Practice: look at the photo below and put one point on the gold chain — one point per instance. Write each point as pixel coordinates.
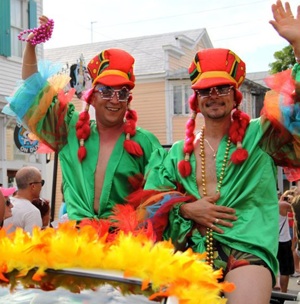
(211, 148)
(209, 231)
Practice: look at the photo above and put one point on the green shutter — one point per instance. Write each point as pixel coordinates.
(32, 14)
(5, 45)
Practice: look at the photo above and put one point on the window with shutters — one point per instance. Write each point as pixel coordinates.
(15, 16)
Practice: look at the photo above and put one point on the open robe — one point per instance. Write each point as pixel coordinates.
(250, 188)
(42, 106)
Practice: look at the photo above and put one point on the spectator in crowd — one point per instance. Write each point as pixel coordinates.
(7, 192)
(24, 214)
(285, 252)
(44, 206)
(294, 192)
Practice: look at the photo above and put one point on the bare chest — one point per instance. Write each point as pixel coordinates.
(206, 176)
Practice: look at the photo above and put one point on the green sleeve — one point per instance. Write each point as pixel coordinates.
(178, 228)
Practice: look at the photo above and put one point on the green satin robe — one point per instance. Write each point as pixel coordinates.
(249, 188)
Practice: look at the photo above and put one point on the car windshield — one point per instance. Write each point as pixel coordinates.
(71, 286)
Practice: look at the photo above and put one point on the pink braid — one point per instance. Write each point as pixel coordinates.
(184, 166)
(131, 146)
(237, 130)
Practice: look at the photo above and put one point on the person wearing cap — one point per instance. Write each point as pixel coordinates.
(215, 191)
(7, 192)
(102, 160)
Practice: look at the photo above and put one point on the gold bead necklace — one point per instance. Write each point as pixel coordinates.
(209, 231)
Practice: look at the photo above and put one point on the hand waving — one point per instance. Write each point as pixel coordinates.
(286, 25)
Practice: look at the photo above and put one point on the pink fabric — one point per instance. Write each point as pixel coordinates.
(8, 191)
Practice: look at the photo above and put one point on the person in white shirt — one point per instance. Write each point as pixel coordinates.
(285, 253)
(24, 214)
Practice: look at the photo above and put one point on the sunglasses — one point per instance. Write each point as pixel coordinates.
(108, 93)
(8, 203)
(222, 90)
(42, 182)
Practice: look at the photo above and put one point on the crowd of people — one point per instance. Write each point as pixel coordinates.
(24, 208)
(213, 192)
(288, 238)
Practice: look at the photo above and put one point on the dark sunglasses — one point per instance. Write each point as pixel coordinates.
(42, 182)
(8, 203)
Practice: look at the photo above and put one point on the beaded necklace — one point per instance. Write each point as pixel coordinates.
(209, 231)
(41, 34)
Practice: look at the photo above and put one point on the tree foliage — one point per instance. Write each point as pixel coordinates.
(285, 59)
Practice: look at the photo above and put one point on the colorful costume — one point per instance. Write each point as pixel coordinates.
(248, 187)
(41, 105)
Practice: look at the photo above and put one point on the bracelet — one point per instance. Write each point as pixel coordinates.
(30, 64)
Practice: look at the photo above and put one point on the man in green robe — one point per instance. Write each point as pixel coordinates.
(102, 160)
(218, 187)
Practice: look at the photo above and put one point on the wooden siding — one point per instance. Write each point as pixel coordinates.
(9, 144)
(149, 102)
(10, 72)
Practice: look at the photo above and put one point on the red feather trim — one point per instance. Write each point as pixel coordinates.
(161, 218)
(125, 218)
(136, 198)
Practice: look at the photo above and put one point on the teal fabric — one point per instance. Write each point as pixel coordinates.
(249, 188)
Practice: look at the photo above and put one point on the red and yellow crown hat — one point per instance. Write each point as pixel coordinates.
(213, 67)
(210, 68)
(112, 67)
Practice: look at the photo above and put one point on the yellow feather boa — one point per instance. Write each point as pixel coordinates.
(183, 275)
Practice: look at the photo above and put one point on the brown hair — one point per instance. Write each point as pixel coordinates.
(42, 204)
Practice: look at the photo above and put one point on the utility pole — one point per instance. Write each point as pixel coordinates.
(92, 22)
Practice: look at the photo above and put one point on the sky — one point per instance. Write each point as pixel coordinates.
(240, 25)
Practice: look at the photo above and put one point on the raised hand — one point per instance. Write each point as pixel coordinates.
(286, 25)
